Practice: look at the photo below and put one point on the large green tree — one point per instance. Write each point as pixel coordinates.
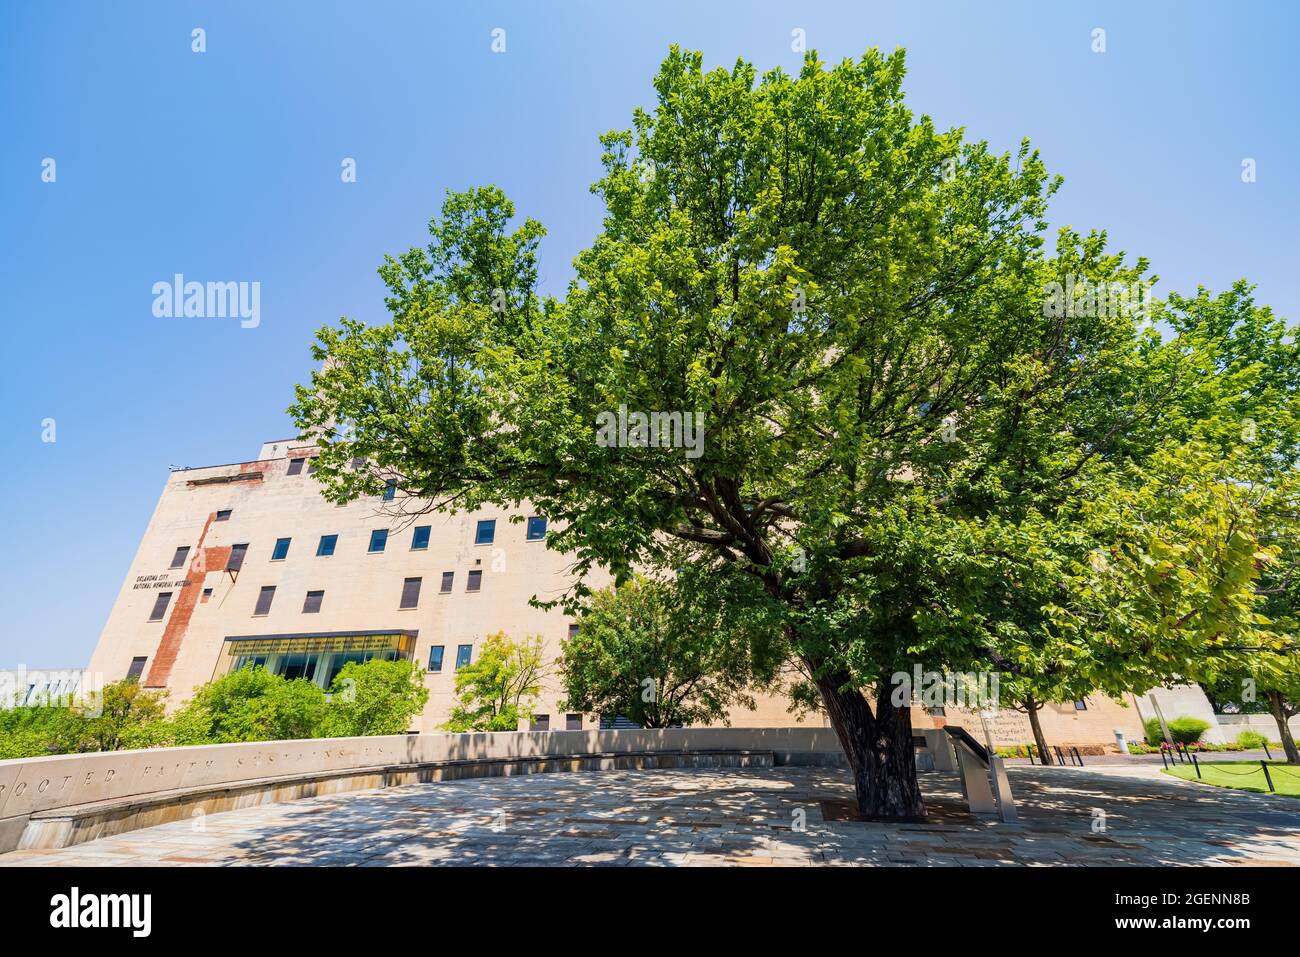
(852, 305)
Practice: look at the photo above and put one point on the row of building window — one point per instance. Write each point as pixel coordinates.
(485, 534)
(410, 595)
(463, 654)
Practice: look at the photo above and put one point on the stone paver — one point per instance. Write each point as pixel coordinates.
(732, 817)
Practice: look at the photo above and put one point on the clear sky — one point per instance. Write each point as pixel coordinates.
(225, 165)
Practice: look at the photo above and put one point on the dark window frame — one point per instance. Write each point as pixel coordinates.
(474, 580)
(320, 600)
(161, 602)
(411, 596)
(275, 556)
(490, 526)
(179, 557)
(416, 544)
(436, 655)
(382, 541)
(333, 546)
(238, 554)
(267, 592)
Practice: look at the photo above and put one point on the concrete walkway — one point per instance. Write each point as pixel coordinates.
(784, 816)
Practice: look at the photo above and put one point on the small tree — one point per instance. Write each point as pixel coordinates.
(375, 697)
(121, 715)
(491, 692)
(661, 655)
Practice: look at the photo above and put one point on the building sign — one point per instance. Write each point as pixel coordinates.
(159, 581)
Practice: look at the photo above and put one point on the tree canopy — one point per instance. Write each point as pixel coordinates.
(927, 439)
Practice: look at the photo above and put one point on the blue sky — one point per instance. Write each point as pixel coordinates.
(225, 166)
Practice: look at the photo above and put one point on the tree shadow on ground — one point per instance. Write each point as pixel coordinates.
(785, 815)
(778, 816)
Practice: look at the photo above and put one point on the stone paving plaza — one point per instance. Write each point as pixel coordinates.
(723, 817)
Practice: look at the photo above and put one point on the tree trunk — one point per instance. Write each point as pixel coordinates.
(879, 749)
(1031, 708)
(1278, 708)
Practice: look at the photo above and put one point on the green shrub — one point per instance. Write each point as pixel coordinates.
(1250, 740)
(250, 704)
(377, 697)
(1182, 730)
(32, 732)
(1188, 730)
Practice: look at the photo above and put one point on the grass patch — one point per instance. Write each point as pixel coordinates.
(1243, 775)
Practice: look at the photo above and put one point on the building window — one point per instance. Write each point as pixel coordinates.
(179, 558)
(447, 579)
(536, 528)
(390, 489)
(378, 540)
(281, 550)
(540, 722)
(236, 560)
(435, 658)
(326, 546)
(1081, 706)
(160, 606)
(462, 655)
(410, 593)
(312, 605)
(223, 515)
(573, 632)
(136, 670)
(295, 466)
(264, 600)
(475, 580)
(207, 593)
(486, 532)
(420, 538)
(357, 462)
(573, 722)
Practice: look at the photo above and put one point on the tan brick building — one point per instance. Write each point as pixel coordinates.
(248, 563)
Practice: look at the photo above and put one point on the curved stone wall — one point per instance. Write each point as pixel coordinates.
(82, 796)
